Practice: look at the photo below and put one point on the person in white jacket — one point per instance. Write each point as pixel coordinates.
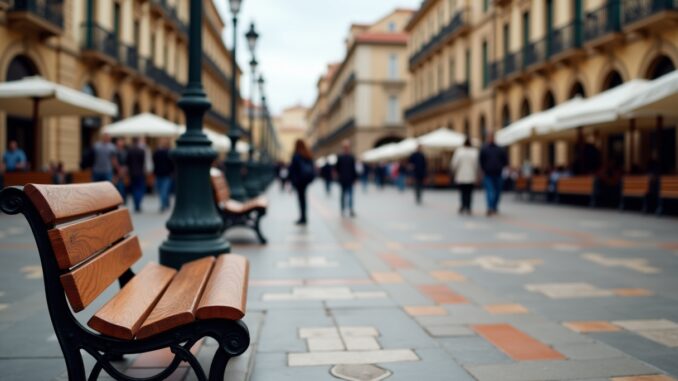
(464, 166)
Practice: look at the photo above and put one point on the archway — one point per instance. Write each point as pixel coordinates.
(525, 108)
(118, 102)
(549, 101)
(505, 116)
(612, 80)
(482, 126)
(89, 125)
(660, 66)
(20, 129)
(387, 140)
(577, 89)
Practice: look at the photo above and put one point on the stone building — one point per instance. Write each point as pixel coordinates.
(291, 125)
(131, 52)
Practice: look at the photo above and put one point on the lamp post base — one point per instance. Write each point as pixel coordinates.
(234, 177)
(176, 252)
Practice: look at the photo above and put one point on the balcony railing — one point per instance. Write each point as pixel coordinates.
(453, 93)
(50, 11)
(535, 52)
(513, 62)
(160, 77)
(565, 38)
(100, 40)
(458, 21)
(129, 56)
(171, 13)
(635, 10)
(602, 21)
(344, 128)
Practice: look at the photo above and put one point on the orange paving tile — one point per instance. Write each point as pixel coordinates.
(441, 294)
(425, 310)
(591, 326)
(448, 276)
(516, 344)
(395, 261)
(387, 277)
(632, 292)
(501, 309)
(161, 358)
(656, 377)
(336, 282)
(275, 282)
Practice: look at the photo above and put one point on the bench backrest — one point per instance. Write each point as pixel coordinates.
(219, 186)
(91, 237)
(79, 177)
(668, 187)
(539, 184)
(576, 185)
(521, 184)
(21, 178)
(635, 186)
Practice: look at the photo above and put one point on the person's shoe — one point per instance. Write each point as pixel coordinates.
(489, 213)
(300, 222)
(352, 214)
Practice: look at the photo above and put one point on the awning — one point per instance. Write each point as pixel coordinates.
(658, 97)
(518, 130)
(19, 98)
(443, 139)
(145, 124)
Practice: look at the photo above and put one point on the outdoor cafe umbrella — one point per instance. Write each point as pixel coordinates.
(145, 124)
(658, 98)
(36, 97)
(442, 139)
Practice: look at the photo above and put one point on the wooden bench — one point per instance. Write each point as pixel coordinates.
(538, 185)
(86, 242)
(235, 213)
(22, 178)
(521, 186)
(634, 187)
(80, 177)
(668, 190)
(577, 186)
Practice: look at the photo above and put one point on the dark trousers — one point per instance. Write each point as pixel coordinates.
(301, 196)
(138, 185)
(493, 186)
(346, 197)
(328, 186)
(466, 191)
(418, 188)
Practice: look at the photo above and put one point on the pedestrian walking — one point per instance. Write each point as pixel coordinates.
(419, 170)
(163, 170)
(136, 163)
(14, 158)
(120, 179)
(104, 159)
(301, 173)
(347, 175)
(326, 174)
(464, 166)
(492, 162)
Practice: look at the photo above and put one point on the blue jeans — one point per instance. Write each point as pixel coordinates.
(400, 182)
(493, 185)
(347, 197)
(102, 176)
(138, 185)
(164, 185)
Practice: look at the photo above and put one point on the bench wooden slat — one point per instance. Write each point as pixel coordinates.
(79, 177)
(59, 203)
(219, 185)
(539, 184)
(668, 187)
(579, 185)
(177, 305)
(122, 316)
(75, 242)
(225, 294)
(90, 279)
(635, 186)
(23, 178)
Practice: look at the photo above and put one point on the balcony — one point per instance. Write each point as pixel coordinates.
(457, 26)
(535, 54)
(648, 14)
(99, 44)
(344, 129)
(129, 56)
(349, 83)
(602, 25)
(161, 78)
(162, 8)
(565, 42)
(45, 18)
(454, 93)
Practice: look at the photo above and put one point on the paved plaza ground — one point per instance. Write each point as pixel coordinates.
(406, 292)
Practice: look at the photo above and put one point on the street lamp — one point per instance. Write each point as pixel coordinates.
(233, 162)
(251, 181)
(195, 225)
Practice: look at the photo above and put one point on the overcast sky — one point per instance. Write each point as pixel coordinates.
(297, 40)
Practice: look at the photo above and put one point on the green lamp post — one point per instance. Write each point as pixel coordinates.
(234, 165)
(195, 225)
(252, 181)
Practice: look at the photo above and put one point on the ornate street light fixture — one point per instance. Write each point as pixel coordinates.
(233, 162)
(195, 226)
(252, 181)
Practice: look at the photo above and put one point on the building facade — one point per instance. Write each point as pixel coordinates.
(361, 98)
(291, 125)
(131, 52)
(477, 66)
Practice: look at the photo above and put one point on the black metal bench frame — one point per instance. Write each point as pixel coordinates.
(249, 220)
(232, 336)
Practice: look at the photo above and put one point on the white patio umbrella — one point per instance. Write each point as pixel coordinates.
(659, 97)
(519, 130)
(145, 124)
(442, 139)
(387, 152)
(406, 147)
(548, 121)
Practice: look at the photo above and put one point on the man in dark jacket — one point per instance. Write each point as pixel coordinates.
(326, 174)
(136, 160)
(492, 162)
(346, 175)
(163, 169)
(419, 172)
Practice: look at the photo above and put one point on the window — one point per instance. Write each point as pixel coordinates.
(453, 70)
(391, 26)
(116, 21)
(526, 29)
(393, 66)
(137, 33)
(549, 24)
(468, 68)
(393, 108)
(506, 39)
(486, 66)
(486, 5)
(441, 75)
